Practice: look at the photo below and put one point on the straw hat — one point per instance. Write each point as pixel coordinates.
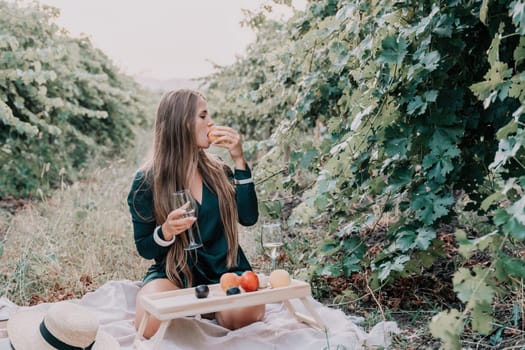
(65, 325)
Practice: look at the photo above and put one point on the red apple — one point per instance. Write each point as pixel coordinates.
(249, 281)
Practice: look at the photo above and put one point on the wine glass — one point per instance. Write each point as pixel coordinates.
(272, 240)
(179, 199)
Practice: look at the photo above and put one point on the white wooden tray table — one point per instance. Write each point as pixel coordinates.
(166, 306)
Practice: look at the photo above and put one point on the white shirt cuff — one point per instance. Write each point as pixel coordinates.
(243, 181)
(160, 241)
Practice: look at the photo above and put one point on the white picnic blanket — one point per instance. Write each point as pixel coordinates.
(114, 304)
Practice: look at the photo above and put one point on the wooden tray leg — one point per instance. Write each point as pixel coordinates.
(314, 313)
(292, 310)
(160, 333)
(142, 327)
(302, 317)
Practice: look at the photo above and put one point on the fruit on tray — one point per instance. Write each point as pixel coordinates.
(202, 291)
(280, 278)
(233, 291)
(229, 279)
(249, 281)
(263, 281)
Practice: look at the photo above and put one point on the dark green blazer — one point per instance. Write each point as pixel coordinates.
(209, 262)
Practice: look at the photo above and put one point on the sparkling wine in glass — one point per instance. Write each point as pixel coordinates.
(272, 240)
(179, 199)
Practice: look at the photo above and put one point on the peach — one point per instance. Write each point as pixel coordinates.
(229, 279)
(279, 278)
(212, 137)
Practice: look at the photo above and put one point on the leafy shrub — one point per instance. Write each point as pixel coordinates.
(61, 102)
(409, 113)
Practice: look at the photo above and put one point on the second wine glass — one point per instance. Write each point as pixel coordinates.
(179, 199)
(272, 240)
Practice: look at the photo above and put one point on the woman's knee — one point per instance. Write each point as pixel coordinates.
(155, 286)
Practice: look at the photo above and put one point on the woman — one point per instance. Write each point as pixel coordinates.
(223, 199)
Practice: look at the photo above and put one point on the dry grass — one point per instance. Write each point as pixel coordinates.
(74, 241)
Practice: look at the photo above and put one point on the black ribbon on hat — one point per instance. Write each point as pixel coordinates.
(57, 343)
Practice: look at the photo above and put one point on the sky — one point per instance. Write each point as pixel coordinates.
(161, 39)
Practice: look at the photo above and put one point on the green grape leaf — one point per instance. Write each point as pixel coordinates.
(470, 286)
(493, 53)
(507, 148)
(430, 60)
(329, 246)
(519, 51)
(512, 266)
(397, 265)
(443, 150)
(440, 166)
(448, 326)
(515, 220)
(443, 138)
(466, 247)
(331, 270)
(393, 50)
(405, 241)
(429, 207)
(397, 140)
(495, 79)
(397, 146)
(424, 258)
(517, 13)
(424, 23)
(399, 178)
(416, 106)
(515, 228)
(517, 87)
(424, 207)
(481, 318)
(351, 264)
(354, 246)
(508, 129)
(431, 96)
(424, 238)
(501, 217)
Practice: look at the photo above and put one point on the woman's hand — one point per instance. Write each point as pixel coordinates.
(176, 223)
(231, 140)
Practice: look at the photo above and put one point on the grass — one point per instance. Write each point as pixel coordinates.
(74, 241)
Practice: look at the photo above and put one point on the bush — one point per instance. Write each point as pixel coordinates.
(61, 102)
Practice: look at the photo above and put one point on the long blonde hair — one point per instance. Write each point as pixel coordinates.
(175, 158)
